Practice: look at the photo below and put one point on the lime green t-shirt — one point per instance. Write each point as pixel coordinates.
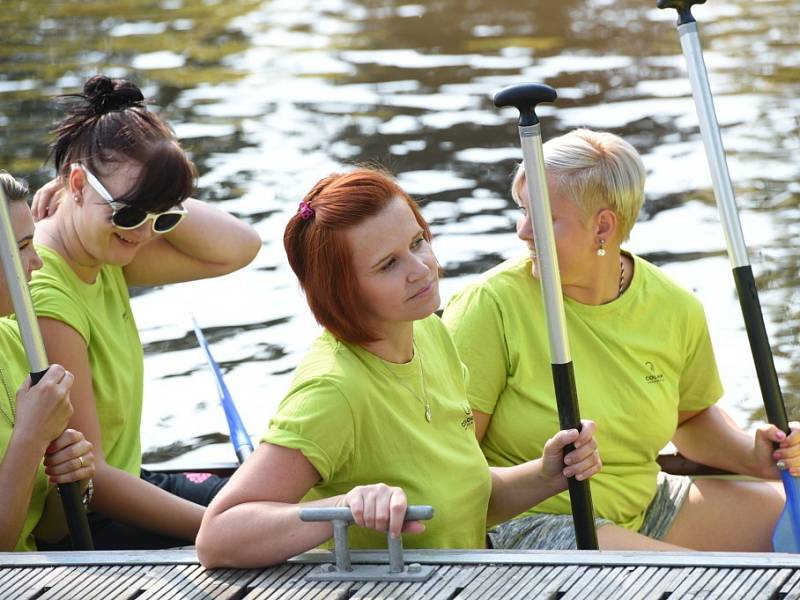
(101, 313)
(361, 420)
(638, 361)
(13, 371)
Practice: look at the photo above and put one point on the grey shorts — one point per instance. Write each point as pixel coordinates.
(546, 531)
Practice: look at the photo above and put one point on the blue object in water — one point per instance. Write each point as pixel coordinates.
(239, 436)
(786, 537)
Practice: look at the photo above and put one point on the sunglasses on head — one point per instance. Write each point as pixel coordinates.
(125, 216)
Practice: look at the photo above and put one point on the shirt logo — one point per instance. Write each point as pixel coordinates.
(654, 376)
(469, 421)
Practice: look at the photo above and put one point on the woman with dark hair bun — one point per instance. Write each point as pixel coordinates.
(36, 449)
(119, 215)
(377, 416)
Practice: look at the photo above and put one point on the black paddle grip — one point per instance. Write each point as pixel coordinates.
(684, 8)
(759, 346)
(79, 533)
(524, 97)
(580, 496)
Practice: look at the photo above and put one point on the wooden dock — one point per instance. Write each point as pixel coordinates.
(176, 574)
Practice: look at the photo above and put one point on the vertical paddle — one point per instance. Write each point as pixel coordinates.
(239, 437)
(525, 97)
(70, 493)
(787, 532)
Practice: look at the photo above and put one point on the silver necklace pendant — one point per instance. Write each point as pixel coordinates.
(428, 413)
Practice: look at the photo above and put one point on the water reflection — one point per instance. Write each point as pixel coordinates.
(270, 96)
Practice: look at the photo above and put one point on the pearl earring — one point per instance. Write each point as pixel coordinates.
(601, 251)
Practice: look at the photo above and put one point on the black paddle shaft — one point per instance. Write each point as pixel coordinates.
(524, 97)
(80, 534)
(760, 348)
(684, 8)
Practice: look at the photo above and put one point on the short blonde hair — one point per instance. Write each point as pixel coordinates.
(595, 170)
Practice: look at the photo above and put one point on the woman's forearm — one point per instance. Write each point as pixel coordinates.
(518, 488)
(130, 499)
(260, 533)
(211, 235)
(712, 438)
(17, 478)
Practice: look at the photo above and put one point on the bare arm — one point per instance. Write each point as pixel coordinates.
(42, 414)
(254, 520)
(711, 437)
(482, 421)
(209, 242)
(118, 494)
(17, 477)
(518, 488)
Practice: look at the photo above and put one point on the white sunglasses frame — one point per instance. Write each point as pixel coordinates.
(98, 187)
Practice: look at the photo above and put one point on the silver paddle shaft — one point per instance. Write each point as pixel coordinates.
(20, 295)
(544, 239)
(712, 140)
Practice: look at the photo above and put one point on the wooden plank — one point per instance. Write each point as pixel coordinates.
(294, 579)
(782, 579)
(483, 581)
(448, 582)
(10, 577)
(534, 577)
(120, 582)
(269, 576)
(27, 582)
(791, 584)
(632, 575)
(221, 584)
(696, 581)
(598, 577)
(511, 583)
(56, 592)
(730, 582)
(664, 581)
(270, 584)
(749, 586)
(614, 581)
(558, 581)
(164, 586)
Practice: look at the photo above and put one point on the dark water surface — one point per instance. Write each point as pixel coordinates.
(270, 96)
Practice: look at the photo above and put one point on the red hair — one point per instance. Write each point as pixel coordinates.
(320, 256)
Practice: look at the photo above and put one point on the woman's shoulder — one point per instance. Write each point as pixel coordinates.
(497, 288)
(329, 363)
(661, 286)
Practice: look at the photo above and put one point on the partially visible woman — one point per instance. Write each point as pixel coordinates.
(33, 421)
(644, 368)
(122, 217)
(377, 414)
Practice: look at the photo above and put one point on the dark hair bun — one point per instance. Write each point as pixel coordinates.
(105, 94)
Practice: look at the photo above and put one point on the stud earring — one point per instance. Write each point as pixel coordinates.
(601, 251)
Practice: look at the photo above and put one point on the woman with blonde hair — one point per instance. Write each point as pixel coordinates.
(644, 368)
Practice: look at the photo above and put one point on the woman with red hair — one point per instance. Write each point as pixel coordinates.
(377, 416)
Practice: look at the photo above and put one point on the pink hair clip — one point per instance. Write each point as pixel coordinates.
(306, 212)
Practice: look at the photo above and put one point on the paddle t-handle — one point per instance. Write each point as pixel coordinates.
(684, 8)
(525, 97)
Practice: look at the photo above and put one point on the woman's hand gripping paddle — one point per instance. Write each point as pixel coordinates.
(787, 532)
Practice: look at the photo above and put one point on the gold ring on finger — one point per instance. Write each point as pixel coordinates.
(80, 460)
